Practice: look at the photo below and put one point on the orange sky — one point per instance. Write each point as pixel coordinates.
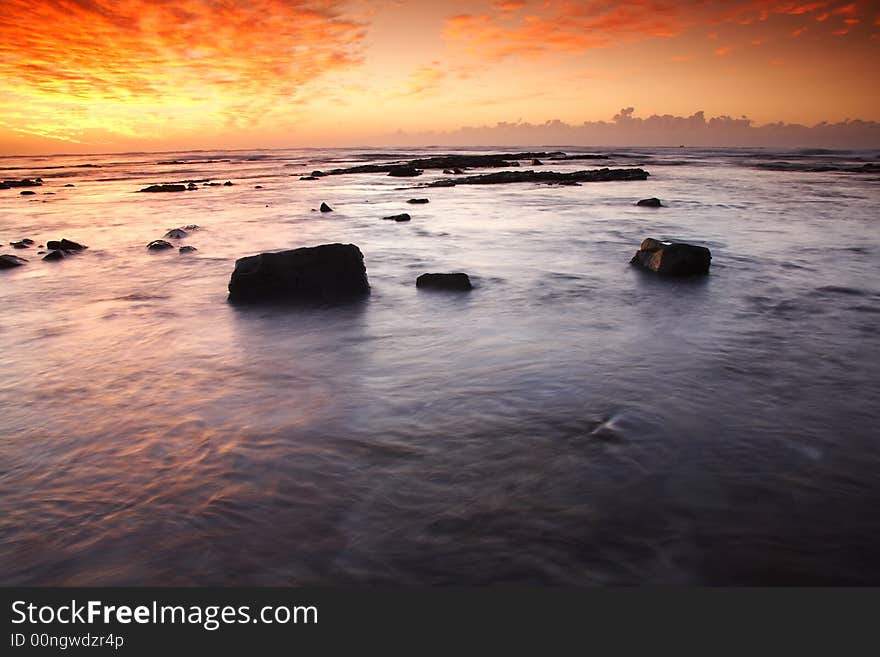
(105, 75)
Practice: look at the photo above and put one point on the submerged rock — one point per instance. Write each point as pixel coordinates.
(187, 249)
(456, 281)
(325, 208)
(70, 185)
(21, 244)
(419, 200)
(55, 254)
(65, 245)
(398, 217)
(24, 182)
(159, 245)
(190, 227)
(650, 203)
(27, 192)
(404, 172)
(552, 177)
(327, 272)
(308, 177)
(9, 261)
(672, 259)
(176, 234)
(164, 188)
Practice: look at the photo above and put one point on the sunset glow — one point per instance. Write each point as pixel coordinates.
(99, 75)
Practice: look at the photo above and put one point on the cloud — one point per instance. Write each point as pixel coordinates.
(423, 81)
(565, 26)
(571, 26)
(176, 61)
(626, 129)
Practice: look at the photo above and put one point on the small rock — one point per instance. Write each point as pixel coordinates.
(164, 188)
(20, 245)
(228, 183)
(190, 227)
(457, 281)
(64, 244)
(176, 234)
(404, 172)
(192, 186)
(9, 261)
(27, 192)
(537, 163)
(308, 177)
(158, 245)
(187, 249)
(258, 187)
(418, 200)
(55, 254)
(398, 217)
(650, 203)
(672, 259)
(27, 240)
(70, 185)
(326, 208)
(317, 174)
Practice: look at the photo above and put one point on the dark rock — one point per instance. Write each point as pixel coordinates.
(404, 172)
(650, 203)
(419, 200)
(70, 185)
(537, 163)
(192, 186)
(27, 240)
(164, 188)
(55, 254)
(64, 244)
(24, 182)
(398, 217)
(159, 245)
(27, 192)
(317, 174)
(326, 272)
(457, 281)
(308, 177)
(9, 261)
(326, 208)
(448, 171)
(20, 245)
(228, 183)
(552, 177)
(190, 227)
(672, 259)
(187, 249)
(176, 234)
(258, 187)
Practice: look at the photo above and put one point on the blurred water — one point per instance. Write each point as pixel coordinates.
(570, 421)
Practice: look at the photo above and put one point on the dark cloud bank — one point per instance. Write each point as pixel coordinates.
(625, 129)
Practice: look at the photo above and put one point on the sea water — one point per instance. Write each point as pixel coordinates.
(572, 420)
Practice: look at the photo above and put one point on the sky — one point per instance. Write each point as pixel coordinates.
(119, 75)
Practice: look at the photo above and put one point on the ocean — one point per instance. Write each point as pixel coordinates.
(571, 421)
